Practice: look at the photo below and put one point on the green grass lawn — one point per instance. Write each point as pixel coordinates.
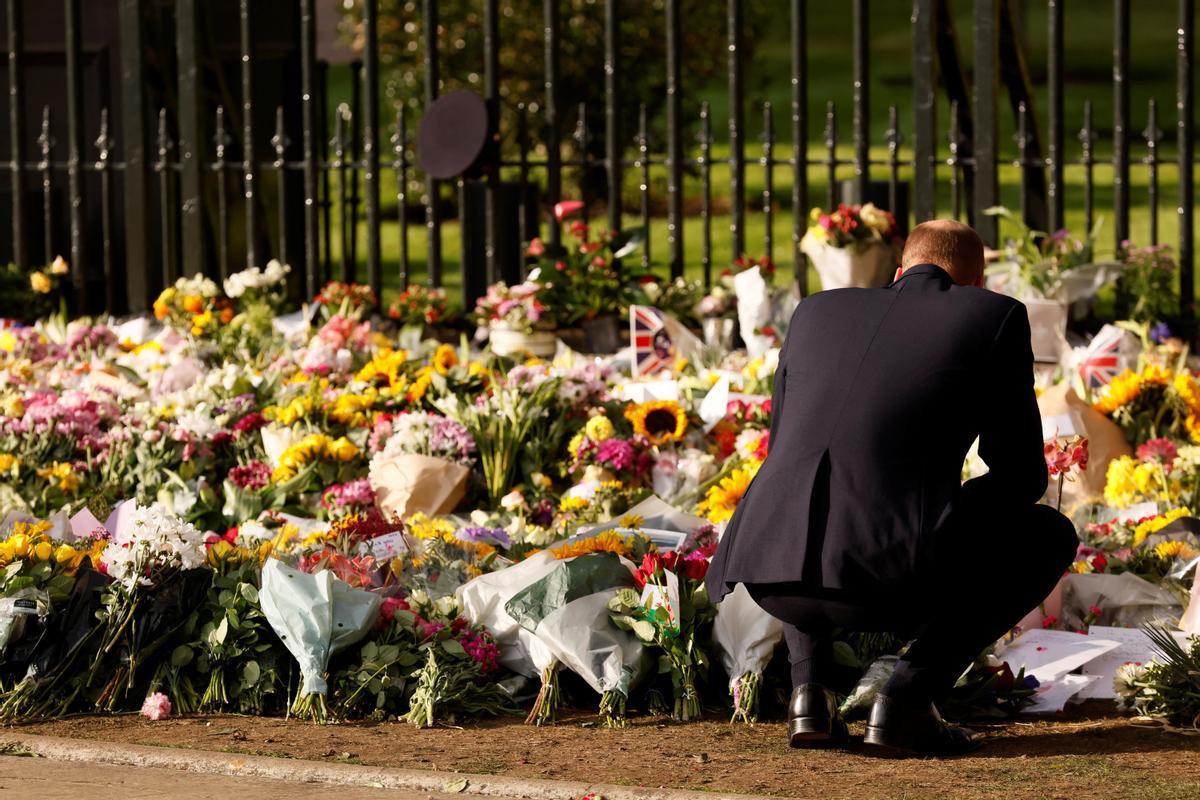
(1088, 71)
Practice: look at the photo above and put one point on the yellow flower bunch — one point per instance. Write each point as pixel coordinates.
(1175, 549)
(422, 526)
(314, 447)
(297, 409)
(28, 541)
(223, 555)
(1130, 481)
(354, 410)
(573, 504)
(1129, 385)
(605, 542)
(8, 462)
(445, 358)
(420, 386)
(63, 473)
(599, 428)
(1156, 524)
(385, 371)
(722, 498)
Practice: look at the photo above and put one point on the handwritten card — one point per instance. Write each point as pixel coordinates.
(1134, 646)
(1049, 655)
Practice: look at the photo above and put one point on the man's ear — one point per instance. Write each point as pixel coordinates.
(979, 281)
(899, 272)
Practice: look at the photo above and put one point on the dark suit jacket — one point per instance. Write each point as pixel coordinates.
(879, 394)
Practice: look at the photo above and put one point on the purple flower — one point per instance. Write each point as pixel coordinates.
(1160, 333)
(496, 536)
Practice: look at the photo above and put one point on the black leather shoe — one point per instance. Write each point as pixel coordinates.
(813, 719)
(897, 729)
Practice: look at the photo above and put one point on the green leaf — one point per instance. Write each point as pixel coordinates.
(181, 656)
(453, 647)
(844, 655)
(249, 593)
(643, 630)
(370, 651)
(251, 672)
(220, 633)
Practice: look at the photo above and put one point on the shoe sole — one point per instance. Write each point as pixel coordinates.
(876, 744)
(802, 735)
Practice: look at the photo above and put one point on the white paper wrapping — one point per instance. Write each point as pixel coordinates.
(745, 636)
(315, 616)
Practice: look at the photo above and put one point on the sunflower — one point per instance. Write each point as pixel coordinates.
(444, 359)
(384, 372)
(1175, 549)
(1156, 524)
(606, 542)
(660, 421)
(722, 498)
(1128, 386)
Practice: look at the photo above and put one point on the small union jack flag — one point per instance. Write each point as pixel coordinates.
(653, 348)
(1102, 359)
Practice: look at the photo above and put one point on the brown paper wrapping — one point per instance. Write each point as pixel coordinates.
(407, 484)
(1106, 441)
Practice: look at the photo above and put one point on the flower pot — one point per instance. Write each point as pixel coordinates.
(603, 334)
(839, 267)
(504, 342)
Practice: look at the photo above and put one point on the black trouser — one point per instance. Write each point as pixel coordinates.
(984, 581)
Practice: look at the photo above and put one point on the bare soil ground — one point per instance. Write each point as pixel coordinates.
(1089, 752)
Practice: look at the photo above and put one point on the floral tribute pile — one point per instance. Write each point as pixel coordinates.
(466, 533)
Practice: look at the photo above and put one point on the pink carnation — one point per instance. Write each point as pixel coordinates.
(157, 706)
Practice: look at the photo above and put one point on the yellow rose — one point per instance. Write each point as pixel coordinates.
(874, 218)
(40, 282)
(42, 551)
(20, 544)
(193, 304)
(65, 554)
(59, 266)
(342, 449)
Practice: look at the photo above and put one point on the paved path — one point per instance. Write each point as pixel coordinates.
(23, 778)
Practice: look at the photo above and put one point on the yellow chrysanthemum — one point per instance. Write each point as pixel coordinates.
(720, 500)
(599, 429)
(660, 421)
(384, 372)
(422, 526)
(605, 542)
(1156, 524)
(1120, 490)
(572, 504)
(445, 358)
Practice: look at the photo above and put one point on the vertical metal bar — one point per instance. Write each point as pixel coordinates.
(987, 185)
(349, 218)
(952, 162)
(249, 165)
(643, 164)
(799, 141)
(1185, 77)
(349, 269)
(325, 193)
(136, 150)
(924, 27)
(553, 143)
(1120, 120)
(75, 145)
(612, 109)
(191, 136)
(862, 100)
(308, 81)
(1152, 135)
(706, 192)
(737, 124)
(280, 144)
(46, 168)
(371, 143)
(16, 126)
(894, 139)
(581, 138)
(768, 165)
(400, 165)
(1023, 157)
(526, 217)
(491, 83)
(1087, 138)
(1054, 80)
(433, 213)
(831, 163)
(674, 24)
(221, 140)
(167, 218)
(104, 146)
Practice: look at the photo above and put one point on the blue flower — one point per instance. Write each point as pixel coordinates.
(1160, 333)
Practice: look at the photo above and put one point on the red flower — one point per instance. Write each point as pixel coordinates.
(1099, 563)
(695, 568)
(566, 208)
(1050, 621)
(536, 248)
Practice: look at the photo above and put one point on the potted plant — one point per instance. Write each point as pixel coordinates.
(1048, 272)
(852, 245)
(516, 320)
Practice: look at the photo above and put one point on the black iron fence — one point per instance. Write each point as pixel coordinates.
(193, 146)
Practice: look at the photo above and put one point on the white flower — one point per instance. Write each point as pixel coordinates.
(874, 218)
(154, 540)
(513, 500)
(1124, 680)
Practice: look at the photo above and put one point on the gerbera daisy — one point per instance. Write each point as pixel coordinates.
(721, 499)
(660, 421)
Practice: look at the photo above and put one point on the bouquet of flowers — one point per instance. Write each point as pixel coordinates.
(852, 245)
(259, 286)
(1168, 687)
(195, 306)
(349, 300)
(515, 308)
(418, 305)
(672, 612)
(424, 465)
(1160, 473)
(1045, 266)
(26, 296)
(1153, 402)
(597, 453)
(1148, 278)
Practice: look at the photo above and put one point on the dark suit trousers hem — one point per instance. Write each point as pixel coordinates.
(989, 571)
